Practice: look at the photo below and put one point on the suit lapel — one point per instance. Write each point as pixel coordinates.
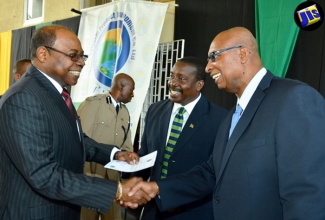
(244, 121)
(163, 124)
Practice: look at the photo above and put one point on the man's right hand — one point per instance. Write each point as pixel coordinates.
(138, 198)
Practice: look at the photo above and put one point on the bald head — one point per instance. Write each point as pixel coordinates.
(237, 36)
(233, 59)
(122, 88)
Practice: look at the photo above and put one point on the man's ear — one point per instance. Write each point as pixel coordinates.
(199, 85)
(244, 55)
(41, 54)
(16, 76)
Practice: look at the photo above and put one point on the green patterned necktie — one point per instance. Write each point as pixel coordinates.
(173, 136)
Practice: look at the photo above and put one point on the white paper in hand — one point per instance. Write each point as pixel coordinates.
(144, 162)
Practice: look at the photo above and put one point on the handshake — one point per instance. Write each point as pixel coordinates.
(135, 192)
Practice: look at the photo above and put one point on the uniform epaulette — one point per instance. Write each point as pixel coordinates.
(95, 97)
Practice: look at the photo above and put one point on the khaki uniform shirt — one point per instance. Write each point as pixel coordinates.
(100, 121)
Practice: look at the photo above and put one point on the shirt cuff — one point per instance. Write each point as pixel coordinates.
(114, 150)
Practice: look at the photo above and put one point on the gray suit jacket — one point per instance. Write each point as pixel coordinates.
(42, 156)
(272, 167)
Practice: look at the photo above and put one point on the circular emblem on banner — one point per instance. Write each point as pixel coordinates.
(112, 51)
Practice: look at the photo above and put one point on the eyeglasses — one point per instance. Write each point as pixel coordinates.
(213, 55)
(73, 56)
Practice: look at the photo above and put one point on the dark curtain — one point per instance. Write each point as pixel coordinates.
(72, 23)
(307, 62)
(20, 47)
(199, 21)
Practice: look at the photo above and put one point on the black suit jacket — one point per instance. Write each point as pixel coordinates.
(42, 155)
(272, 167)
(193, 147)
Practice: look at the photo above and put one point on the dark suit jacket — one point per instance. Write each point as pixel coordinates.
(193, 147)
(272, 167)
(42, 155)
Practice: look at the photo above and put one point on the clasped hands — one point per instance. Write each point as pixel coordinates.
(135, 192)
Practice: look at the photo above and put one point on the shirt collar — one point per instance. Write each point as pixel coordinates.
(189, 107)
(55, 83)
(250, 89)
(113, 101)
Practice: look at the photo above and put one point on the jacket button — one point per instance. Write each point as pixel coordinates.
(217, 199)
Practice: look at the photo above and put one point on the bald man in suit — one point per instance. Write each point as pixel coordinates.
(271, 166)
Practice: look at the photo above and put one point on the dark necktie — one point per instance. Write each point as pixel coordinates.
(68, 102)
(117, 108)
(235, 118)
(173, 136)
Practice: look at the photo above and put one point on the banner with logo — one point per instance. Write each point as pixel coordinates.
(121, 36)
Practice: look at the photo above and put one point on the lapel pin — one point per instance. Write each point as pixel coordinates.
(191, 126)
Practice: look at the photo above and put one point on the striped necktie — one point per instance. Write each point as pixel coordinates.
(173, 136)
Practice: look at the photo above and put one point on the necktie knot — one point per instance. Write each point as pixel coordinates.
(65, 94)
(238, 109)
(68, 101)
(181, 111)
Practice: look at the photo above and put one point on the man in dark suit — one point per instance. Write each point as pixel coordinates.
(42, 148)
(195, 143)
(272, 165)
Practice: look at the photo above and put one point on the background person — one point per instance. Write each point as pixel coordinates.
(20, 68)
(101, 121)
(201, 121)
(271, 167)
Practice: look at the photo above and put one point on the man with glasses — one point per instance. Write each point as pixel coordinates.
(272, 164)
(42, 147)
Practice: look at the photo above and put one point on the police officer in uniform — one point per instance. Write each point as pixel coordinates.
(105, 118)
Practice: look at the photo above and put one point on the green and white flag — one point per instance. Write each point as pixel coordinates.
(276, 33)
